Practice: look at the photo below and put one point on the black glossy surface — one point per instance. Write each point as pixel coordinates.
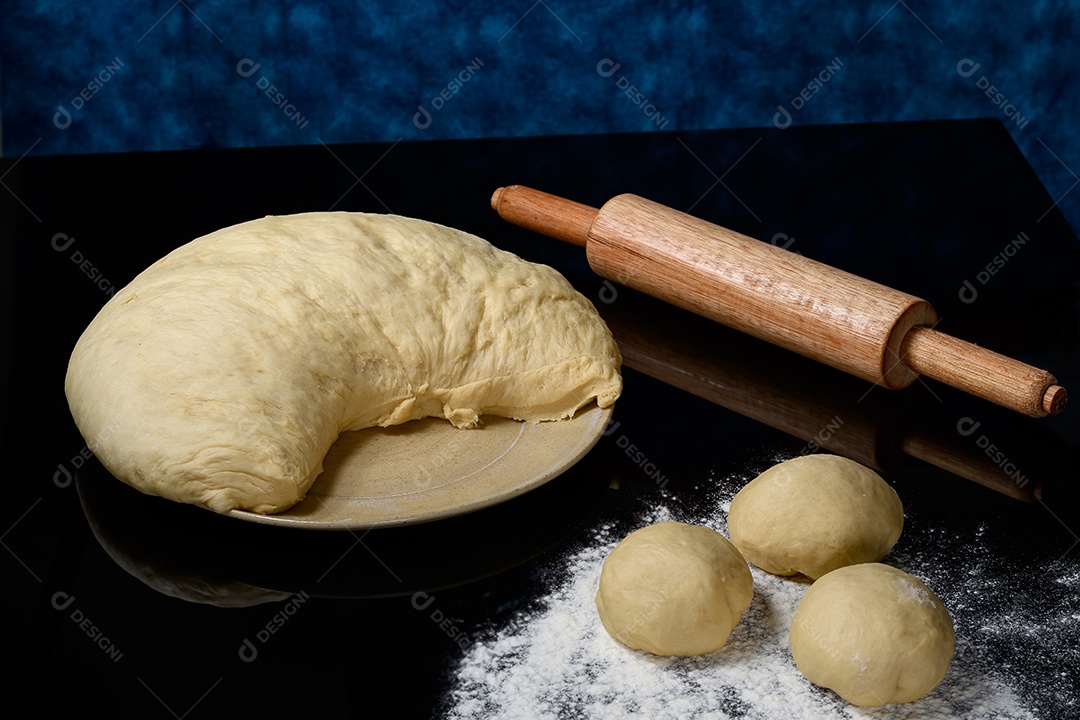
(922, 207)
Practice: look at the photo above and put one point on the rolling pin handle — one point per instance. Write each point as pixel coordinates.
(983, 373)
(546, 214)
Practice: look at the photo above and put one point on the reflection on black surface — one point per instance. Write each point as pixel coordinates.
(940, 200)
(199, 556)
(827, 409)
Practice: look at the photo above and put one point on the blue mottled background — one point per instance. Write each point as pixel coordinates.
(80, 77)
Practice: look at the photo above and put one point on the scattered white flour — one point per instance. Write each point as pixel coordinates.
(556, 661)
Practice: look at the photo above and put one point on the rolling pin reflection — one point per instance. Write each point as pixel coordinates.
(824, 408)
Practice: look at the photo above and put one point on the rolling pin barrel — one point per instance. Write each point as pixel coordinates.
(834, 317)
(842, 320)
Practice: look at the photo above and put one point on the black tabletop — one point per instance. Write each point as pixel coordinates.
(123, 601)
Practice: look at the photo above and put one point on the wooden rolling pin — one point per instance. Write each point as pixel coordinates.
(845, 321)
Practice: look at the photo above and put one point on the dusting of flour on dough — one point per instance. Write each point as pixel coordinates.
(555, 660)
(914, 594)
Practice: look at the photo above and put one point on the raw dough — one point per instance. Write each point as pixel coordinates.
(874, 634)
(813, 514)
(222, 374)
(673, 589)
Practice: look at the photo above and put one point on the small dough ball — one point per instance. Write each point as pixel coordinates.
(873, 634)
(674, 589)
(813, 514)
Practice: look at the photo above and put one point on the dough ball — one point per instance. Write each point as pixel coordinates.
(673, 589)
(873, 634)
(813, 514)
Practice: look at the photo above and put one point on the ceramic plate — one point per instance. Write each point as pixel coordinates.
(428, 469)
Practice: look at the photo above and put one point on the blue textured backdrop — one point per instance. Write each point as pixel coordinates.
(171, 74)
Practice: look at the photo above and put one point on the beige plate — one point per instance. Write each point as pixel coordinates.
(428, 469)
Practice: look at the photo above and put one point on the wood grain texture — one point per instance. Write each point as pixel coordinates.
(981, 372)
(547, 214)
(845, 321)
(819, 311)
